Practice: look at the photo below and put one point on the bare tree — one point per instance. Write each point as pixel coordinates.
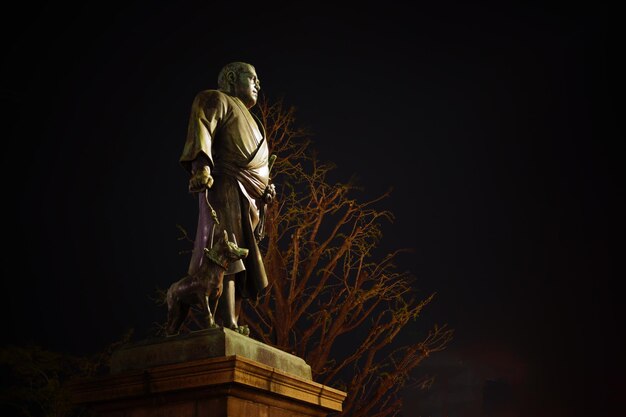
(330, 301)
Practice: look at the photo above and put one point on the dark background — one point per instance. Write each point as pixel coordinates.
(494, 124)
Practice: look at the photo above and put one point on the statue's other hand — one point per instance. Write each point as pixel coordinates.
(270, 194)
(200, 180)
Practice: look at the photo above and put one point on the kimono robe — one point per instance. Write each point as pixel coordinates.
(225, 136)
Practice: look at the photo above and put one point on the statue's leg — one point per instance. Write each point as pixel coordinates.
(237, 306)
(226, 305)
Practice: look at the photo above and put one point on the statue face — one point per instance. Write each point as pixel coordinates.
(247, 86)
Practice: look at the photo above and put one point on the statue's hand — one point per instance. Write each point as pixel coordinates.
(269, 195)
(201, 180)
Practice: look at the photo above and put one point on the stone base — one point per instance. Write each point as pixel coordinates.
(228, 386)
(203, 344)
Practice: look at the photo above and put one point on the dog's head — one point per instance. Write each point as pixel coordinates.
(225, 252)
(234, 252)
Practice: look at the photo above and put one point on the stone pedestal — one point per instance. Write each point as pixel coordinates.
(206, 374)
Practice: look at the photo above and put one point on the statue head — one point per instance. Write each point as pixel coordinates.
(240, 80)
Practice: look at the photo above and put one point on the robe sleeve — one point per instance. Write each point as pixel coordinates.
(207, 111)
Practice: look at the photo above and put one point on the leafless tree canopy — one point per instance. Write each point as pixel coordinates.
(330, 301)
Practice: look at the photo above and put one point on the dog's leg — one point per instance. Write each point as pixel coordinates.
(177, 316)
(217, 299)
(210, 314)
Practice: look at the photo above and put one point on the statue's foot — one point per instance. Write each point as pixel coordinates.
(244, 330)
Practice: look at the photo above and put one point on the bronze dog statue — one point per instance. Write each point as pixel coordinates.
(204, 287)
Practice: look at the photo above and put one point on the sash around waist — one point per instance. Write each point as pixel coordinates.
(254, 180)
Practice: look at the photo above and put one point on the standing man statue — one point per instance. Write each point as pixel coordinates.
(227, 156)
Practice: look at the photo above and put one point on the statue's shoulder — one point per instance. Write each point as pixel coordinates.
(212, 98)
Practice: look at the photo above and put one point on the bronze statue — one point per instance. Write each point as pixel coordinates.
(227, 156)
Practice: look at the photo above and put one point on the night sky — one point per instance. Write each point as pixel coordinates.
(494, 125)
